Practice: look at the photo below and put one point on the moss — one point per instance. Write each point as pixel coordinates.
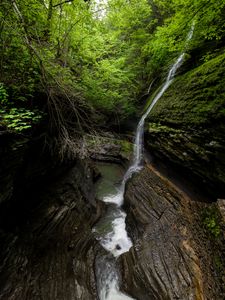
(211, 221)
(195, 98)
(150, 99)
(108, 144)
(163, 128)
(126, 148)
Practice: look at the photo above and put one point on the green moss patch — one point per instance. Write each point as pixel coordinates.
(195, 98)
(211, 221)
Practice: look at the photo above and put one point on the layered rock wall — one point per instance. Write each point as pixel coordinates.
(186, 126)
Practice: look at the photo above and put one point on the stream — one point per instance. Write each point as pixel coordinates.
(111, 229)
(76, 237)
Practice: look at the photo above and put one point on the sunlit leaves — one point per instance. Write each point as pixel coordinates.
(110, 60)
(19, 119)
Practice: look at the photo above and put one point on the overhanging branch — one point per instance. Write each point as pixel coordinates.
(61, 3)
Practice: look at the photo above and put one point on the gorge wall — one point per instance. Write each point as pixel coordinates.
(186, 126)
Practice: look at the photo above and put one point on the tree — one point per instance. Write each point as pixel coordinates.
(88, 67)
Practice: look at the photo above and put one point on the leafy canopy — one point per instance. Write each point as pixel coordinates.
(83, 58)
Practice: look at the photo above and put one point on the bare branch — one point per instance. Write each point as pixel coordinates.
(67, 116)
(61, 3)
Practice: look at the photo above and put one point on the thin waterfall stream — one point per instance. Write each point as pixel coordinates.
(111, 229)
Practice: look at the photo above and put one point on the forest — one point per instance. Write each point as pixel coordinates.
(83, 64)
(112, 149)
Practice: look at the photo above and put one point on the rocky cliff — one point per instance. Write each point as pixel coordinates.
(49, 253)
(186, 126)
(12, 151)
(172, 256)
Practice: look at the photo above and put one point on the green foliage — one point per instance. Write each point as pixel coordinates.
(80, 58)
(126, 148)
(196, 97)
(169, 38)
(16, 119)
(3, 94)
(106, 86)
(211, 221)
(19, 119)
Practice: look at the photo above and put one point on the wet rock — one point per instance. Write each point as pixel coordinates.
(108, 148)
(12, 149)
(51, 254)
(118, 247)
(221, 207)
(188, 150)
(169, 259)
(25, 162)
(186, 126)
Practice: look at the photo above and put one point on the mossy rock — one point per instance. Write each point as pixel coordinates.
(187, 125)
(195, 98)
(108, 148)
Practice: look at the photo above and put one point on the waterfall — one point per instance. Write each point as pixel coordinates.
(116, 240)
(138, 145)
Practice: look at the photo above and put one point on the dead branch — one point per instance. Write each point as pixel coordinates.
(61, 3)
(69, 118)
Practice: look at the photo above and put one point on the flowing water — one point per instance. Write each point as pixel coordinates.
(111, 230)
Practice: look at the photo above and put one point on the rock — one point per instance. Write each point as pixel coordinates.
(108, 148)
(169, 259)
(186, 126)
(118, 247)
(12, 150)
(25, 162)
(221, 207)
(51, 255)
(50, 251)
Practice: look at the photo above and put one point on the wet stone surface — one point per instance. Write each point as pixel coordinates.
(53, 253)
(170, 258)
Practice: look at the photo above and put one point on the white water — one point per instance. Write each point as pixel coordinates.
(116, 240)
(108, 280)
(112, 229)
